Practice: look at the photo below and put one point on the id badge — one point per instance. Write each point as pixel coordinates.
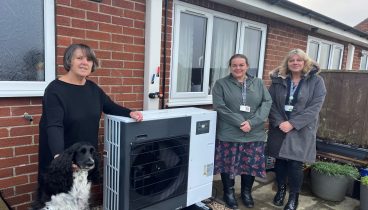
(289, 108)
(244, 108)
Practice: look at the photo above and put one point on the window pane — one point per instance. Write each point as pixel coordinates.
(313, 50)
(336, 59)
(192, 43)
(22, 40)
(223, 47)
(251, 49)
(325, 55)
(363, 63)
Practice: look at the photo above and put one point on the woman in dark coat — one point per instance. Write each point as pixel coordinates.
(297, 93)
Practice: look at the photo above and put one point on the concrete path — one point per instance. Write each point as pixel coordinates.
(264, 191)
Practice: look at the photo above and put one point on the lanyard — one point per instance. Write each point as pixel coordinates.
(292, 91)
(244, 92)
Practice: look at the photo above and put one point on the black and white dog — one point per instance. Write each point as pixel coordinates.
(66, 188)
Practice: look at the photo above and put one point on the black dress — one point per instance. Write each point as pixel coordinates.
(70, 114)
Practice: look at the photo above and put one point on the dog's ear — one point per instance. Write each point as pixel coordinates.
(59, 177)
(94, 174)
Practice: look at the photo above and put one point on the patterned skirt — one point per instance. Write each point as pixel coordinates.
(240, 158)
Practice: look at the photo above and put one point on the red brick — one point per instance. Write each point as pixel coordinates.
(73, 32)
(63, 21)
(138, 73)
(98, 17)
(6, 172)
(102, 72)
(77, 23)
(4, 132)
(13, 121)
(139, 40)
(117, 29)
(64, 2)
(122, 21)
(122, 89)
(27, 188)
(135, 15)
(122, 38)
(133, 31)
(132, 81)
(17, 141)
(64, 41)
(139, 57)
(86, 5)
(14, 161)
(20, 110)
(123, 4)
(23, 198)
(139, 7)
(70, 12)
(24, 150)
(139, 24)
(110, 81)
(133, 65)
(112, 64)
(36, 101)
(13, 181)
(91, 43)
(126, 97)
(102, 54)
(26, 169)
(133, 48)
(121, 73)
(6, 152)
(14, 101)
(110, 10)
(111, 46)
(98, 35)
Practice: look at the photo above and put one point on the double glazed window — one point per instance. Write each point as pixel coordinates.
(326, 53)
(364, 61)
(204, 40)
(27, 47)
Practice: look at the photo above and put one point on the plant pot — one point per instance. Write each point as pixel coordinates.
(332, 188)
(363, 197)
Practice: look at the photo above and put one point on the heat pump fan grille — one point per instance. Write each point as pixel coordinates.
(159, 170)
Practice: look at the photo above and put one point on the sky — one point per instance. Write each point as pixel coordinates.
(349, 12)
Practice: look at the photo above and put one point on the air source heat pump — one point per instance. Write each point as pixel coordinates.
(164, 162)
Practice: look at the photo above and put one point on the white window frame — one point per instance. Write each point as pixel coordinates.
(364, 55)
(202, 98)
(334, 47)
(37, 88)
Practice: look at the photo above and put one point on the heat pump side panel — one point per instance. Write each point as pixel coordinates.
(201, 158)
(111, 164)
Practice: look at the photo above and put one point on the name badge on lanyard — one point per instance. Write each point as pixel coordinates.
(243, 107)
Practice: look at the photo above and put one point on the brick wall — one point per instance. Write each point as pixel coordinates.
(115, 30)
(363, 26)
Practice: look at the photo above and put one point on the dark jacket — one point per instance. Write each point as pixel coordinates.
(227, 98)
(300, 143)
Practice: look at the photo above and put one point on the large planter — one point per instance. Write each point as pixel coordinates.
(363, 197)
(332, 188)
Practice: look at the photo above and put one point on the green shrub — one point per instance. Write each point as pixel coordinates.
(335, 169)
(364, 180)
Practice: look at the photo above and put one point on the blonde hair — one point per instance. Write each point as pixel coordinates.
(308, 62)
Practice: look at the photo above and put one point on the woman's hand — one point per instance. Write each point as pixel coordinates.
(245, 126)
(286, 126)
(138, 116)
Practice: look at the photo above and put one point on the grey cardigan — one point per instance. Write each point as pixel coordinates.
(300, 143)
(227, 98)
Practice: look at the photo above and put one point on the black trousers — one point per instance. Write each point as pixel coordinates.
(290, 170)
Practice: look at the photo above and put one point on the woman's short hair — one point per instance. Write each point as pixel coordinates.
(87, 51)
(238, 56)
(308, 62)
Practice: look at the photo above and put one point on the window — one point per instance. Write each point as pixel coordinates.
(204, 40)
(364, 61)
(27, 47)
(327, 54)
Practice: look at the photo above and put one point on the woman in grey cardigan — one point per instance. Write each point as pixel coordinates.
(298, 93)
(242, 103)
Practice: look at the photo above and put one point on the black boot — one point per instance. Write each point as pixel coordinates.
(292, 203)
(229, 194)
(278, 200)
(246, 190)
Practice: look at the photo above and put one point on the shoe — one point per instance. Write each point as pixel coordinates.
(229, 191)
(246, 190)
(278, 200)
(292, 203)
